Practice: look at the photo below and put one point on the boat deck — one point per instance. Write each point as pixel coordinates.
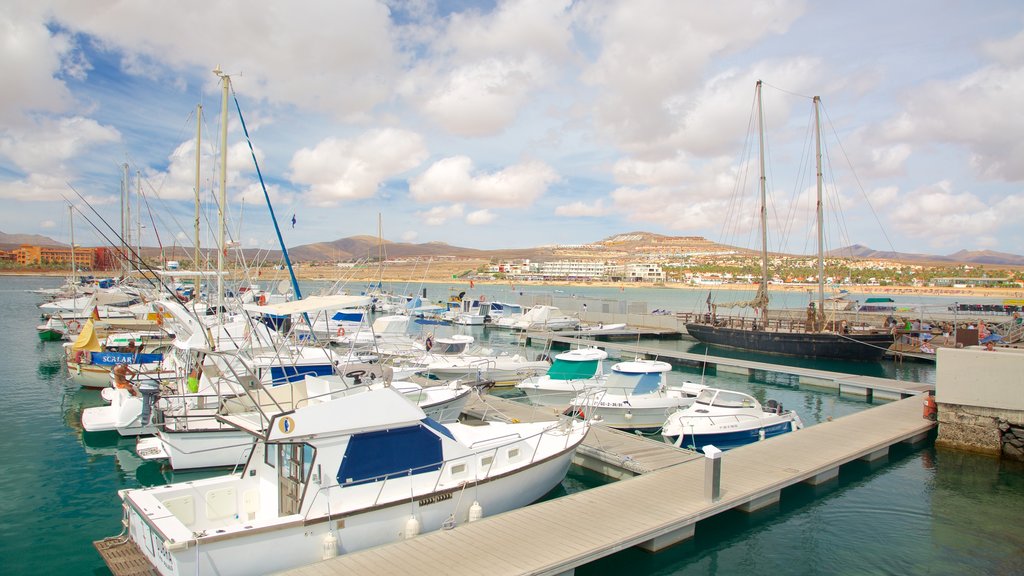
(653, 510)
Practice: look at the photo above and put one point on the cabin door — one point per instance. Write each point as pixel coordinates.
(290, 477)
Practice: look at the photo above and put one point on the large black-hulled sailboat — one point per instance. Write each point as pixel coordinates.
(818, 339)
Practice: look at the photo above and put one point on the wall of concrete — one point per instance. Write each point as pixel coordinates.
(980, 395)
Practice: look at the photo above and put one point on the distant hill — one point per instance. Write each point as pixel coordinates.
(368, 247)
(12, 241)
(988, 257)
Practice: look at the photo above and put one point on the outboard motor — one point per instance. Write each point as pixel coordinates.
(149, 389)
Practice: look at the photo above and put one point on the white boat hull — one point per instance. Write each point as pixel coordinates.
(289, 542)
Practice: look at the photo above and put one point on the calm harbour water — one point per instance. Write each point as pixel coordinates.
(921, 511)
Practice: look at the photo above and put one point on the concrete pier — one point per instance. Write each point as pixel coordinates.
(651, 511)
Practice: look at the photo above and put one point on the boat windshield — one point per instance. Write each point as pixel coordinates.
(449, 348)
(633, 382)
(570, 370)
(724, 399)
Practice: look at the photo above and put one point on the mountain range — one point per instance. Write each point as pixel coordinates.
(369, 247)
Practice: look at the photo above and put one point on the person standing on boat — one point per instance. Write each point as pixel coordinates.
(811, 317)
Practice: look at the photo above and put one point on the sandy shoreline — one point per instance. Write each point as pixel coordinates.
(1005, 293)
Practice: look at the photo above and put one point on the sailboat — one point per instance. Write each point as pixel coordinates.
(818, 339)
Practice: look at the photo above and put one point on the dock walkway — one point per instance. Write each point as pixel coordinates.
(611, 452)
(652, 510)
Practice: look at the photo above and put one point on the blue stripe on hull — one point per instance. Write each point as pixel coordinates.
(735, 439)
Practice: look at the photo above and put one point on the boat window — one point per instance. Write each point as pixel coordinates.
(441, 428)
(375, 456)
(727, 399)
(706, 396)
(282, 374)
(633, 383)
(569, 370)
(448, 347)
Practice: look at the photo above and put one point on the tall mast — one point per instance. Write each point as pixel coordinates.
(199, 137)
(380, 252)
(138, 215)
(74, 265)
(762, 296)
(222, 201)
(820, 210)
(125, 220)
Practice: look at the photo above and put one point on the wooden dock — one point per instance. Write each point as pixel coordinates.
(870, 387)
(611, 452)
(652, 511)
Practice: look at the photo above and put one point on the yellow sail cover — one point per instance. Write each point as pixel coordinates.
(87, 339)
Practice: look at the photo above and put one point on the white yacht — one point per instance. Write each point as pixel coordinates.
(568, 375)
(727, 419)
(451, 357)
(635, 396)
(339, 476)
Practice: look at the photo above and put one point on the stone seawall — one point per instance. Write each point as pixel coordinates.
(985, 430)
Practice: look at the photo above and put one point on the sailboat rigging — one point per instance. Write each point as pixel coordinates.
(819, 338)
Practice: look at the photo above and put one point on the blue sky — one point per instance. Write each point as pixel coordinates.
(520, 123)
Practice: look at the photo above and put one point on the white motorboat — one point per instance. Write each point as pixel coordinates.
(568, 375)
(194, 438)
(543, 317)
(727, 419)
(635, 396)
(451, 357)
(340, 476)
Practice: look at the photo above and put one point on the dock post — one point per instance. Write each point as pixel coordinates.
(712, 473)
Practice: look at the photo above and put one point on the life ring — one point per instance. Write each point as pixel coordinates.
(341, 331)
(73, 326)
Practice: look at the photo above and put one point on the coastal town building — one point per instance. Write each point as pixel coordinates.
(85, 258)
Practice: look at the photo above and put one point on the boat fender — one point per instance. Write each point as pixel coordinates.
(930, 408)
(330, 545)
(793, 425)
(760, 434)
(629, 415)
(476, 511)
(412, 527)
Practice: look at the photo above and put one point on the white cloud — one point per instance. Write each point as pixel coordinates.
(337, 170)
(480, 217)
(483, 68)
(654, 54)
(884, 196)
(48, 225)
(964, 112)
(942, 217)
(453, 180)
(582, 209)
(34, 58)
(343, 51)
(438, 215)
(48, 144)
(409, 236)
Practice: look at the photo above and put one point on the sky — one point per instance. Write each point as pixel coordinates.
(517, 123)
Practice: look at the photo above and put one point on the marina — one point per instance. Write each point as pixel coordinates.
(608, 461)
